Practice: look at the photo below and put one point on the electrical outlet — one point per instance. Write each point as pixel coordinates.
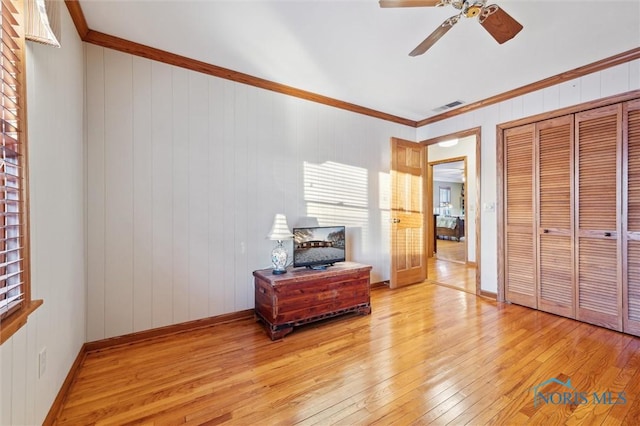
(42, 362)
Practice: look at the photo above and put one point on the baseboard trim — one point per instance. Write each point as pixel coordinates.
(489, 294)
(128, 339)
(379, 284)
(154, 333)
(58, 402)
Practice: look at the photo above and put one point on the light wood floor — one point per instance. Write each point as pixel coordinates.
(427, 354)
(451, 250)
(452, 274)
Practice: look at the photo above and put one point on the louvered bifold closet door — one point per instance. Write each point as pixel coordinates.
(631, 227)
(598, 208)
(520, 252)
(555, 216)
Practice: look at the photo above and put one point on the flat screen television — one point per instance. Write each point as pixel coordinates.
(318, 247)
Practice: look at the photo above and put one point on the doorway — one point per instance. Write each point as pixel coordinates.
(453, 194)
(449, 200)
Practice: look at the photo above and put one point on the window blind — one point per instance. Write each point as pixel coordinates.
(42, 21)
(12, 218)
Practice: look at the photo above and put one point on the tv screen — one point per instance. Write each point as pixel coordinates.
(318, 247)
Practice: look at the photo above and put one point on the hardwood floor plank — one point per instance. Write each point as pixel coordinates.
(426, 354)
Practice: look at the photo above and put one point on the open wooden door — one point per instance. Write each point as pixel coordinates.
(408, 248)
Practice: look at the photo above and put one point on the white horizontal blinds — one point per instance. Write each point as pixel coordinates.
(11, 161)
(631, 280)
(520, 253)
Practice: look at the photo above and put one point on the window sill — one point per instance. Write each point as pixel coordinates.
(14, 322)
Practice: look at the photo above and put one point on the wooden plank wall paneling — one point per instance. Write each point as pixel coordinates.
(185, 172)
(143, 201)
(55, 82)
(618, 79)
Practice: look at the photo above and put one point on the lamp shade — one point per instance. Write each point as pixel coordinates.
(280, 230)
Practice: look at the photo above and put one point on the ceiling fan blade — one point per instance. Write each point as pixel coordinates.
(408, 3)
(435, 36)
(499, 23)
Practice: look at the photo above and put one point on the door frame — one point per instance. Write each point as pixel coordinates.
(475, 131)
(430, 220)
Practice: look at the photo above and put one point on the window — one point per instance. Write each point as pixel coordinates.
(445, 196)
(15, 298)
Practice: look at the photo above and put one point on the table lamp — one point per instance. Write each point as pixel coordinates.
(279, 232)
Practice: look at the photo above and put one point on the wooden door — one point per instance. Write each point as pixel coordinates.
(556, 282)
(519, 244)
(631, 212)
(598, 208)
(408, 248)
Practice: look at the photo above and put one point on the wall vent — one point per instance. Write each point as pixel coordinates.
(448, 106)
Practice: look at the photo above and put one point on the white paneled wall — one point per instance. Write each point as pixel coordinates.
(612, 81)
(185, 173)
(55, 85)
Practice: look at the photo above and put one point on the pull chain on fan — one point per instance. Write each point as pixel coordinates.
(495, 20)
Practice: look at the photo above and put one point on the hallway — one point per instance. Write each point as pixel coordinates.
(452, 274)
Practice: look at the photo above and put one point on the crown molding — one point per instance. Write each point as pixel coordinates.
(105, 40)
(611, 61)
(77, 16)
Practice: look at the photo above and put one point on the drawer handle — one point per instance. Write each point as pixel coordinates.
(546, 231)
(607, 234)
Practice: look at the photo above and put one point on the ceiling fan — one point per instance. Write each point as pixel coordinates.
(496, 21)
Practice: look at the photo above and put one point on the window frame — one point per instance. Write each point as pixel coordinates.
(14, 146)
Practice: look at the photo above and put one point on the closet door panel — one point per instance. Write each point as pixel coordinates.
(556, 275)
(631, 230)
(632, 314)
(520, 252)
(598, 199)
(555, 216)
(598, 283)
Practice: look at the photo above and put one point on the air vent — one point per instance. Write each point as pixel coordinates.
(448, 106)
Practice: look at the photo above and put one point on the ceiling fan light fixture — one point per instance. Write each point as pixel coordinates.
(449, 143)
(472, 11)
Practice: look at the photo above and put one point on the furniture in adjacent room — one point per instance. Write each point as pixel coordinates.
(304, 295)
(449, 227)
(571, 218)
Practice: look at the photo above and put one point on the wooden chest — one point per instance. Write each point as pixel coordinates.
(304, 295)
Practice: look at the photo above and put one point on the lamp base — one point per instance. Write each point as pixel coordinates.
(279, 259)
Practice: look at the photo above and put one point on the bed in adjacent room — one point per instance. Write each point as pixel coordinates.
(450, 227)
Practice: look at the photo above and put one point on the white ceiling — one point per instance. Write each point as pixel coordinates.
(355, 51)
(449, 172)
